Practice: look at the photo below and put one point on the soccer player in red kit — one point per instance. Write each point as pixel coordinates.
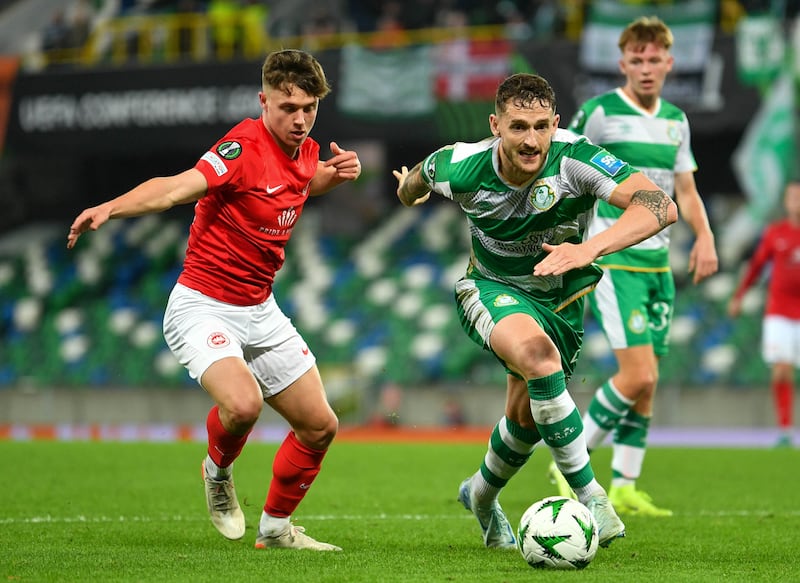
(222, 321)
(780, 247)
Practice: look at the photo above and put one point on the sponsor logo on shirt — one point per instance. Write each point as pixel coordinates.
(287, 217)
(607, 162)
(229, 150)
(216, 163)
(286, 221)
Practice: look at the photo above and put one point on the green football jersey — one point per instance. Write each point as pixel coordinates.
(658, 144)
(508, 224)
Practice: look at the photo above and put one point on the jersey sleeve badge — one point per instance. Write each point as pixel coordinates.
(607, 162)
(229, 150)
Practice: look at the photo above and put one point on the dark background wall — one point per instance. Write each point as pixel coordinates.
(54, 164)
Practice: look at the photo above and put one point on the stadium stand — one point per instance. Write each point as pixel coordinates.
(377, 306)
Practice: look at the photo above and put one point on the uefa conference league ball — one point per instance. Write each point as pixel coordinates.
(557, 533)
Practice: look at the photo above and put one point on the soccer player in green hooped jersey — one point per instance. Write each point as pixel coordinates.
(527, 193)
(634, 299)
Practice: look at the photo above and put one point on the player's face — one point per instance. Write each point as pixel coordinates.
(525, 134)
(645, 68)
(791, 201)
(289, 117)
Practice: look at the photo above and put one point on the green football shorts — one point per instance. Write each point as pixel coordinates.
(634, 308)
(481, 303)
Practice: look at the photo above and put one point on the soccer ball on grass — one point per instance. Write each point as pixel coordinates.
(557, 533)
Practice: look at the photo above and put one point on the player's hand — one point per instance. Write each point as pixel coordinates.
(735, 307)
(562, 258)
(89, 220)
(346, 163)
(401, 176)
(703, 260)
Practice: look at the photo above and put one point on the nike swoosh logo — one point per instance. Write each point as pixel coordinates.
(271, 189)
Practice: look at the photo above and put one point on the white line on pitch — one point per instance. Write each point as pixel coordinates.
(48, 519)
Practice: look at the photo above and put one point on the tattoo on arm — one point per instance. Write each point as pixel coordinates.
(414, 186)
(655, 200)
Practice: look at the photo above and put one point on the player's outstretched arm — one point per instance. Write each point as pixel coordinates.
(411, 188)
(152, 196)
(648, 209)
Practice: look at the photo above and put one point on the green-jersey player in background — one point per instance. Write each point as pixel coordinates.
(634, 300)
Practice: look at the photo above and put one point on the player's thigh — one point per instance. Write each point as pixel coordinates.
(483, 304)
(276, 353)
(200, 330)
(305, 407)
(233, 387)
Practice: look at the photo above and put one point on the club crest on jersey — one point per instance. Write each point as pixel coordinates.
(229, 150)
(217, 340)
(674, 132)
(542, 196)
(504, 300)
(607, 162)
(637, 323)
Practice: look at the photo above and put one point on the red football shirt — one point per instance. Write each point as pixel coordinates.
(780, 246)
(255, 195)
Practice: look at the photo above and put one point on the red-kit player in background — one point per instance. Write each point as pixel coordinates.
(779, 247)
(222, 321)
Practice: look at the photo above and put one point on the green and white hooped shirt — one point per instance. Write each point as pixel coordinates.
(657, 143)
(508, 224)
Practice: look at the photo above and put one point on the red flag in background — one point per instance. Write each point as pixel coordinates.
(471, 70)
(8, 72)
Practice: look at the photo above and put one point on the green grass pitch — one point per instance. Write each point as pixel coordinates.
(109, 511)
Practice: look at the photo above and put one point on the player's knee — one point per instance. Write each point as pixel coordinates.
(649, 382)
(244, 411)
(538, 357)
(319, 434)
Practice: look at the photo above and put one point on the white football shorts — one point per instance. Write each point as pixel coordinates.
(201, 330)
(780, 341)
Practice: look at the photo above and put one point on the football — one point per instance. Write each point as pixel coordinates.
(557, 533)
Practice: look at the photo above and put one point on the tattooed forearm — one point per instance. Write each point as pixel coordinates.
(413, 186)
(657, 201)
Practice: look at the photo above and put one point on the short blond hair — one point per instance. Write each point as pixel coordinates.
(644, 30)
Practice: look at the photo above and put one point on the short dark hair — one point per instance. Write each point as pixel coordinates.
(524, 90)
(294, 67)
